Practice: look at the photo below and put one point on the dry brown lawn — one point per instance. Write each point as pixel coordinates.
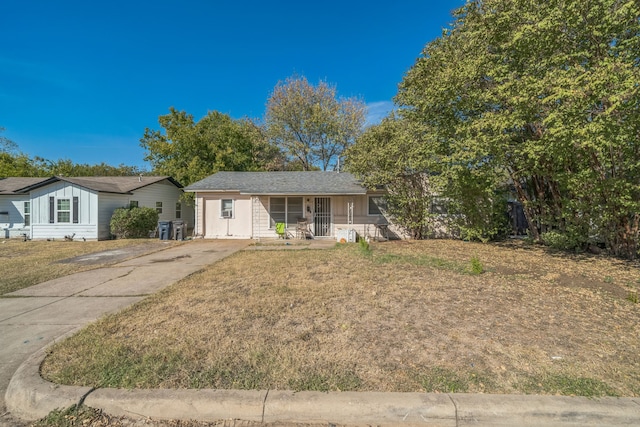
(408, 316)
(28, 263)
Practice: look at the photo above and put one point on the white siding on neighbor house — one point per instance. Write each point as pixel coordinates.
(42, 228)
(107, 204)
(12, 216)
(163, 191)
(168, 194)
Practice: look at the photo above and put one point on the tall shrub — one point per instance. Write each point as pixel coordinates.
(131, 223)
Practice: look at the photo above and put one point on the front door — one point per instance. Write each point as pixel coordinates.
(322, 216)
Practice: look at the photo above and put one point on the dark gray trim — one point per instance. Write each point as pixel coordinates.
(75, 209)
(52, 210)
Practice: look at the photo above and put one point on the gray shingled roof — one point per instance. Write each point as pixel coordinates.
(281, 183)
(103, 184)
(12, 185)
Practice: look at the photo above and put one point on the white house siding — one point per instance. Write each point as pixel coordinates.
(162, 191)
(87, 226)
(12, 222)
(213, 226)
(261, 220)
(107, 204)
(363, 223)
(252, 219)
(169, 195)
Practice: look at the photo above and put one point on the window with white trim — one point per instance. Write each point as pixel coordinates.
(286, 209)
(133, 204)
(377, 205)
(226, 208)
(64, 210)
(159, 207)
(27, 213)
(178, 210)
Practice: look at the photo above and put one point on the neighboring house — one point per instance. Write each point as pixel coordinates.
(52, 208)
(247, 205)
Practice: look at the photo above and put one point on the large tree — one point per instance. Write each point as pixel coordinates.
(543, 96)
(312, 124)
(190, 150)
(388, 155)
(14, 163)
(6, 145)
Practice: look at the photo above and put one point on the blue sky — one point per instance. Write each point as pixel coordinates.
(83, 79)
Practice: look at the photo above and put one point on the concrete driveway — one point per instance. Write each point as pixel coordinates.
(33, 317)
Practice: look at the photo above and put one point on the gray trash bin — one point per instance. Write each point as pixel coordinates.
(164, 230)
(178, 230)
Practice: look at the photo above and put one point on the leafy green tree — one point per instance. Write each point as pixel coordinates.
(66, 167)
(542, 96)
(387, 155)
(7, 145)
(421, 198)
(14, 163)
(311, 124)
(190, 150)
(17, 165)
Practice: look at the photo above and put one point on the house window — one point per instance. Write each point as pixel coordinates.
(27, 214)
(159, 207)
(226, 208)
(377, 205)
(178, 210)
(286, 209)
(64, 210)
(133, 204)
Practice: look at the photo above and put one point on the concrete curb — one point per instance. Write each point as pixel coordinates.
(30, 397)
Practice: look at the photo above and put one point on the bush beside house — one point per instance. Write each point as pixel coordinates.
(131, 223)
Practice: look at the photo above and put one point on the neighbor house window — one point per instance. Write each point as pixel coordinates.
(178, 210)
(27, 213)
(133, 203)
(377, 205)
(226, 208)
(64, 210)
(286, 209)
(159, 207)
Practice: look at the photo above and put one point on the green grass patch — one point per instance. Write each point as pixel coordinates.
(443, 380)
(365, 248)
(476, 266)
(566, 385)
(325, 380)
(73, 416)
(421, 261)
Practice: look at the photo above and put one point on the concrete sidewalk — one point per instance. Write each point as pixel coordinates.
(36, 316)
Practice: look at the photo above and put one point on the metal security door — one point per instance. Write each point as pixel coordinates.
(322, 217)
